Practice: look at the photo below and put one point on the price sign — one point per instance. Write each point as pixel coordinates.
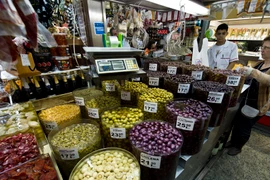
(153, 81)
(185, 123)
(25, 60)
(183, 88)
(172, 70)
(197, 75)
(150, 161)
(118, 133)
(69, 154)
(93, 113)
(125, 95)
(233, 80)
(215, 97)
(138, 79)
(50, 125)
(79, 101)
(152, 67)
(110, 87)
(150, 107)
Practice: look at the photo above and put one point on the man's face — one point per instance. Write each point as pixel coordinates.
(221, 35)
(266, 50)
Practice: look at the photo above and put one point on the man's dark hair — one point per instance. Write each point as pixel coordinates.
(266, 39)
(223, 27)
(149, 45)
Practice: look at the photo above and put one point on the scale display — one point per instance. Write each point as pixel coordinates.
(105, 66)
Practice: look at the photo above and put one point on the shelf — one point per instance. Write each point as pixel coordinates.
(64, 71)
(229, 39)
(245, 20)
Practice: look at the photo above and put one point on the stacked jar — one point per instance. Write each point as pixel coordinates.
(216, 95)
(192, 118)
(198, 72)
(155, 79)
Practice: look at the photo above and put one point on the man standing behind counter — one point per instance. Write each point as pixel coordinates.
(224, 54)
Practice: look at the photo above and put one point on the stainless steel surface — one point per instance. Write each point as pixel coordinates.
(100, 52)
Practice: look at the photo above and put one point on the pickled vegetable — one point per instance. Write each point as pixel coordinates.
(111, 88)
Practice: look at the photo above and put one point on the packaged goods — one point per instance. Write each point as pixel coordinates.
(198, 72)
(58, 115)
(247, 34)
(216, 95)
(253, 33)
(111, 87)
(256, 6)
(116, 125)
(242, 6)
(60, 38)
(107, 163)
(192, 118)
(153, 102)
(62, 62)
(265, 33)
(151, 64)
(172, 67)
(155, 79)
(157, 146)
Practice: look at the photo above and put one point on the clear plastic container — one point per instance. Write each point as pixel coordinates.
(157, 146)
(155, 79)
(111, 88)
(191, 117)
(117, 163)
(60, 38)
(151, 64)
(62, 62)
(72, 143)
(198, 72)
(116, 125)
(172, 67)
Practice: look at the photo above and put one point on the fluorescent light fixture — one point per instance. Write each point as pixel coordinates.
(190, 6)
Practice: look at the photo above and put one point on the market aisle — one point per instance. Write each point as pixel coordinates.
(252, 164)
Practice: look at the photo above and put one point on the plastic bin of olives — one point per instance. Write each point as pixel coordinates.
(198, 72)
(231, 78)
(151, 64)
(155, 79)
(72, 143)
(172, 67)
(111, 88)
(216, 95)
(116, 125)
(130, 92)
(153, 103)
(107, 164)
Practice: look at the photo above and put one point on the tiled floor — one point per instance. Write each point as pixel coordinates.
(252, 164)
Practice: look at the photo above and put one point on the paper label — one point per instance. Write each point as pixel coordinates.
(93, 113)
(69, 154)
(197, 75)
(79, 101)
(50, 125)
(150, 161)
(25, 60)
(26, 7)
(110, 87)
(233, 80)
(153, 81)
(172, 70)
(185, 123)
(125, 95)
(183, 88)
(175, 15)
(118, 133)
(138, 79)
(215, 97)
(152, 67)
(150, 107)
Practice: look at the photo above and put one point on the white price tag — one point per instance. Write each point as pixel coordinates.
(125, 95)
(153, 81)
(93, 113)
(150, 161)
(185, 123)
(138, 79)
(118, 133)
(233, 80)
(183, 88)
(152, 67)
(50, 125)
(25, 60)
(172, 70)
(110, 87)
(69, 154)
(79, 101)
(197, 75)
(215, 97)
(150, 107)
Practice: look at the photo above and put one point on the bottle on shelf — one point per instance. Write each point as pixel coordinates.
(32, 88)
(39, 92)
(57, 89)
(72, 82)
(84, 82)
(15, 92)
(42, 84)
(78, 80)
(25, 91)
(49, 88)
(65, 84)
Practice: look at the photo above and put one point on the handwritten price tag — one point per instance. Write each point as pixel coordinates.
(150, 107)
(150, 161)
(233, 80)
(185, 123)
(69, 154)
(152, 67)
(50, 126)
(197, 75)
(215, 97)
(25, 60)
(138, 79)
(93, 113)
(118, 133)
(79, 101)
(183, 88)
(172, 70)
(153, 81)
(110, 87)
(125, 96)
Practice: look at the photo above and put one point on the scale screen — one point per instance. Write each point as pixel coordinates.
(116, 65)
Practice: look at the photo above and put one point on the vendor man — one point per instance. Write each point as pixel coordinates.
(224, 54)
